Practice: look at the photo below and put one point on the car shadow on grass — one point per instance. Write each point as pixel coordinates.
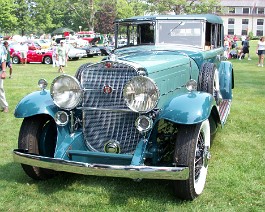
(118, 191)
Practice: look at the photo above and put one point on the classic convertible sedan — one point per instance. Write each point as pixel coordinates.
(34, 56)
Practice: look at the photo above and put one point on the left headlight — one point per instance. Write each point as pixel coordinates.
(141, 94)
(66, 92)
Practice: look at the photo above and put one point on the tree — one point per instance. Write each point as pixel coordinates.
(183, 6)
(22, 13)
(43, 21)
(139, 7)
(83, 12)
(105, 17)
(7, 20)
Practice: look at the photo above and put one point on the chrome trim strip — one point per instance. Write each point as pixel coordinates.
(133, 172)
(105, 109)
(86, 89)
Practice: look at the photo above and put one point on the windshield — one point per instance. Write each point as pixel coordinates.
(180, 32)
(161, 32)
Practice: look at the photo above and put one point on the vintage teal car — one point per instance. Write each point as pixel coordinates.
(148, 111)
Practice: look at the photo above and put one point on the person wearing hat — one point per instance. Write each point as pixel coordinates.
(61, 56)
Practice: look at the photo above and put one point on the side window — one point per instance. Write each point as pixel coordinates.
(208, 36)
(220, 38)
(146, 34)
(213, 37)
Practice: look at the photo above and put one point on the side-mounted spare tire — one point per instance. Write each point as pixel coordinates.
(209, 80)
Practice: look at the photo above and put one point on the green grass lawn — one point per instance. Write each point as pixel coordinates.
(235, 179)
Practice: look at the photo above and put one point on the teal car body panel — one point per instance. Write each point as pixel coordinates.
(39, 102)
(225, 75)
(195, 107)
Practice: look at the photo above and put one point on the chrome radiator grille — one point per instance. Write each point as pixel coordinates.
(101, 126)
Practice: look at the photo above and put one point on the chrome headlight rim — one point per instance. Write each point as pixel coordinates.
(140, 127)
(191, 85)
(78, 88)
(42, 83)
(155, 88)
(59, 120)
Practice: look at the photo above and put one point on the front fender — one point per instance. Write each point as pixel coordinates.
(226, 79)
(39, 102)
(189, 108)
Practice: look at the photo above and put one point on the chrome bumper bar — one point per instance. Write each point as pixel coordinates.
(133, 172)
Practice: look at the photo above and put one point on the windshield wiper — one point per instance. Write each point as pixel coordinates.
(175, 27)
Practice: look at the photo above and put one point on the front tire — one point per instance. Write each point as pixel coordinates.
(38, 136)
(15, 60)
(47, 60)
(192, 150)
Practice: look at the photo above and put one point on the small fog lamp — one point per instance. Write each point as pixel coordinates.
(191, 85)
(143, 123)
(61, 118)
(42, 83)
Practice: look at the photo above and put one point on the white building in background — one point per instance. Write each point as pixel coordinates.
(243, 16)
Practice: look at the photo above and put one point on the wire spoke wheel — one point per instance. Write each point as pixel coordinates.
(192, 150)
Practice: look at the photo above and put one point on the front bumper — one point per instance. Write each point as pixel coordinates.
(133, 172)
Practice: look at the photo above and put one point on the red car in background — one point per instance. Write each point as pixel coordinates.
(34, 56)
(15, 46)
(86, 35)
(33, 45)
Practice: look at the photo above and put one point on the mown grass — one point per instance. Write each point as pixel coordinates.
(236, 171)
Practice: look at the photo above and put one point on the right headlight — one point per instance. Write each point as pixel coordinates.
(66, 92)
(141, 94)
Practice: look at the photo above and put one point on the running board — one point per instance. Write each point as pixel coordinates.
(224, 110)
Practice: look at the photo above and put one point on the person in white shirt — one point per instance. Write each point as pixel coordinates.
(261, 51)
(23, 52)
(3, 102)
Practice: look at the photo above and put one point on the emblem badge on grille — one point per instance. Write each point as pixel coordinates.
(107, 89)
(112, 146)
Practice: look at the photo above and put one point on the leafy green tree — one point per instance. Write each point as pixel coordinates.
(42, 11)
(23, 15)
(7, 19)
(83, 12)
(183, 6)
(61, 14)
(139, 7)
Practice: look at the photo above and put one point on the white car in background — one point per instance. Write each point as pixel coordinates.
(74, 53)
(75, 41)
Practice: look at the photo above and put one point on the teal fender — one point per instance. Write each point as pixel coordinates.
(188, 108)
(226, 79)
(39, 102)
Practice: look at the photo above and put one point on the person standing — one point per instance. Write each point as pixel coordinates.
(23, 51)
(8, 59)
(3, 102)
(54, 59)
(245, 49)
(243, 38)
(61, 56)
(261, 51)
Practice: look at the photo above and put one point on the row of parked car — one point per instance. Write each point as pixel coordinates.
(40, 51)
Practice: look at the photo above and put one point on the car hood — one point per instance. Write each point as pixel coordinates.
(156, 58)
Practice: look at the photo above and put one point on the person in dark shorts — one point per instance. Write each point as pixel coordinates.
(245, 49)
(8, 59)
